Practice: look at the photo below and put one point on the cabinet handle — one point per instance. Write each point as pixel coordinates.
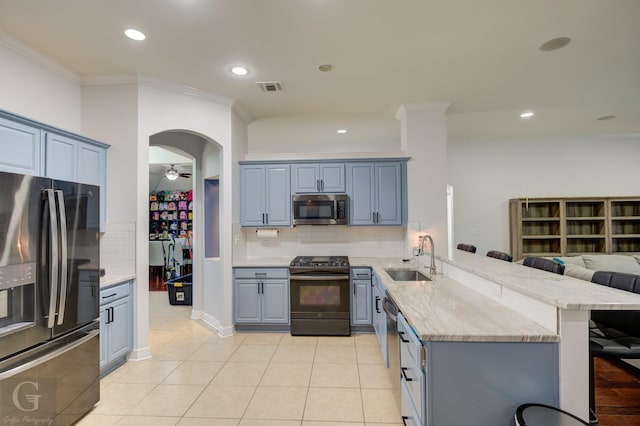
(318, 185)
(322, 185)
(263, 218)
(377, 307)
(403, 371)
(267, 217)
(111, 295)
(404, 420)
(402, 339)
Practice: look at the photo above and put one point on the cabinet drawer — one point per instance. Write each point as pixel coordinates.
(360, 273)
(408, 411)
(110, 294)
(254, 273)
(410, 340)
(413, 378)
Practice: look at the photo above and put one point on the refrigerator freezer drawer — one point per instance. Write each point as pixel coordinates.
(58, 385)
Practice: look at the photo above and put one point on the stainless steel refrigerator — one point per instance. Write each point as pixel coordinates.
(49, 307)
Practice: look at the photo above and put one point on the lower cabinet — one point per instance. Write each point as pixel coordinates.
(379, 317)
(360, 296)
(116, 326)
(261, 296)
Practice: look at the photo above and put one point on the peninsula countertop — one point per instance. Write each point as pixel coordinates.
(445, 310)
(560, 290)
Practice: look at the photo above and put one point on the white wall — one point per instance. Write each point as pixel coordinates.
(485, 174)
(33, 90)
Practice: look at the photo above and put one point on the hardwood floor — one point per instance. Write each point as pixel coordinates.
(617, 393)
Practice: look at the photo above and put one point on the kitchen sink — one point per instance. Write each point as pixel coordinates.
(407, 275)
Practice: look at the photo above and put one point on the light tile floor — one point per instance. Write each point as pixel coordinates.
(253, 379)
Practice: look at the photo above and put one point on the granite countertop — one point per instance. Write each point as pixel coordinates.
(109, 280)
(445, 310)
(559, 290)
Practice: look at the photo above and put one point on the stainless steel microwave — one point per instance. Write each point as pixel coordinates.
(326, 209)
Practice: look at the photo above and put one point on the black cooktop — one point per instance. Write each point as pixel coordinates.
(320, 261)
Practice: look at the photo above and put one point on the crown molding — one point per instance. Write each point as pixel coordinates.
(38, 58)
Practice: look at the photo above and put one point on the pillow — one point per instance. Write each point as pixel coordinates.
(612, 262)
(578, 272)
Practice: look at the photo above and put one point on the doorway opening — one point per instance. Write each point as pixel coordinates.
(170, 217)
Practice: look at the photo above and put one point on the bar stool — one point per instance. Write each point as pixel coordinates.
(545, 415)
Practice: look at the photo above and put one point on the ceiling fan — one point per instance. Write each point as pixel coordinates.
(173, 174)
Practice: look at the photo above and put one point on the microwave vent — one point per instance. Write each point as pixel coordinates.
(270, 86)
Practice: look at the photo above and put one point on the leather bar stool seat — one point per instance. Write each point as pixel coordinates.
(545, 415)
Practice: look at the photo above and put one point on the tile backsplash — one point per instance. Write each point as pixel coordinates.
(117, 249)
(327, 240)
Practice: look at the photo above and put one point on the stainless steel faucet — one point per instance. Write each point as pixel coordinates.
(432, 268)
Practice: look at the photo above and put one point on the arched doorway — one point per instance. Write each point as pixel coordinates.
(205, 156)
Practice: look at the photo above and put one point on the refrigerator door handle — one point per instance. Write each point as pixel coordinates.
(54, 259)
(51, 355)
(62, 220)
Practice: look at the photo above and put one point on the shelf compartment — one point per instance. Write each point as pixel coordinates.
(625, 245)
(540, 227)
(585, 227)
(625, 208)
(586, 244)
(585, 209)
(540, 246)
(537, 209)
(625, 226)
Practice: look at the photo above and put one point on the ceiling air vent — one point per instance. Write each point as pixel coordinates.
(270, 86)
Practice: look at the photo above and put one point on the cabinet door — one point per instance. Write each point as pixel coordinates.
(278, 195)
(252, 195)
(21, 148)
(388, 193)
(104, 337)
(361, 193)
(91, 164)
(61, 157)
(305, 178)
(119, 328)
(275, 301)
(246, 301)
(332, 177)
(361, 302)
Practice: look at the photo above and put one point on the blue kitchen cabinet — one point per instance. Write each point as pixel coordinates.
(318, 178)
(265, 195)
(261, 296)
(361, 296)
(73, 160)
(116, 326)
(376, 193)
(20, 145)
(36, 149)
(379, 317)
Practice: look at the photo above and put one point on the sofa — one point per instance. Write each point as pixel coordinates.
(584, 266)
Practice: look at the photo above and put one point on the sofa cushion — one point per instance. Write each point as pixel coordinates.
(570, 260)
(612, 262)
(581, 273)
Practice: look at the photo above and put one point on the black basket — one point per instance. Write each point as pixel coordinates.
(180, 290)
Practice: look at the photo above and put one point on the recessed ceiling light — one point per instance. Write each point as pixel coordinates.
(239, 70)
(325, 67)
(606, 117)
(342, 131)
(134, 34)
(527, 114)
(554, 44)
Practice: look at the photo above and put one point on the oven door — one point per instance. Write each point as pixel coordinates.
(319, 296)
(320, 305)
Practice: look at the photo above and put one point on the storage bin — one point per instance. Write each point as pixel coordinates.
(180, 290)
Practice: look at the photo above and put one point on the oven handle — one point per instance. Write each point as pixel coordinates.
(319, 277)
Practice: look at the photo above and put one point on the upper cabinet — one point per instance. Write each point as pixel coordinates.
(36, 149)
(318, 178)
(376, 193)
(265, 195)
(21, 148)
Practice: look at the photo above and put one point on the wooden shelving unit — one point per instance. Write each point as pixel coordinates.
(573, 226)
